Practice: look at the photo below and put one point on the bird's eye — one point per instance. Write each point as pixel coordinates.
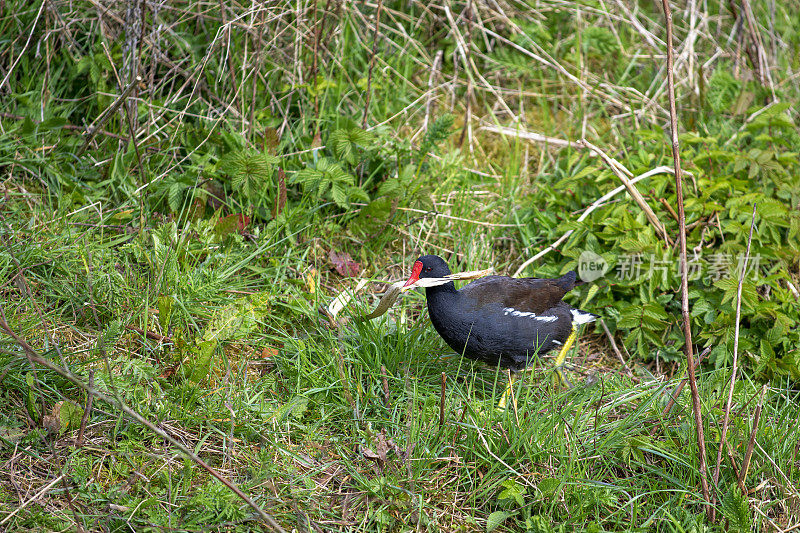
(428, 269)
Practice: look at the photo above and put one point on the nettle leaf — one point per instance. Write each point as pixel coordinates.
(655, 313)
(308, 177)
(357, 193)
(773, 212)
(329, 177)
(776, 333)
(175, 196)
(742, 162)
(389, 187)
(720, 355)
(346, 141)
(339, 195)
(631, 316)
(250, 171)
(731, 286)
(790, 364)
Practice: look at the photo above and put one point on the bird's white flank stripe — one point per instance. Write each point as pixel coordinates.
(581, 317)
(541, 318)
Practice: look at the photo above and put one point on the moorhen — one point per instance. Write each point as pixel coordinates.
(501, 320)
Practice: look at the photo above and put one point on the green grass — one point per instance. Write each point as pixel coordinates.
(126, 260)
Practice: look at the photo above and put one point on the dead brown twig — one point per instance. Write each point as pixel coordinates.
(748, 454)
(96, 126)
(385, 385)
(679, 389)
(687, 324)
(150, 334)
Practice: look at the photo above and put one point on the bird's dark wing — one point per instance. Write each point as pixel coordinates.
(529, 295)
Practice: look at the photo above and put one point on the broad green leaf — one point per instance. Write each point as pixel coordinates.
(495, 520)
(200, 358)
(239, 318)
(69, 414)
(30, 396)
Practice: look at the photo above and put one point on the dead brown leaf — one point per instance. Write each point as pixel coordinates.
(280, 199)
(344, 264)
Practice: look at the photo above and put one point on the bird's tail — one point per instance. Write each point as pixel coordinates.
(582, 317)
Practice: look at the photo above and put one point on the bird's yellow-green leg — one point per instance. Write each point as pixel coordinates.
(562, 358)
(508, 393)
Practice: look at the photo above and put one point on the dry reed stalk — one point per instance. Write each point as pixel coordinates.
(732, 382)
(761, 64)
(35, 497)
(434, 74)
(687, 323)
(372, 62)
(623, 174)
(258, 53)
(470, 68)
(468, 97)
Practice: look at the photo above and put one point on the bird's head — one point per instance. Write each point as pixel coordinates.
(427, 266)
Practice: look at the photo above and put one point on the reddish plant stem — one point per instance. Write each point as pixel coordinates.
(687, 324)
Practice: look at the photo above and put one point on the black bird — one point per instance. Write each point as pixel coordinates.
(501, 320)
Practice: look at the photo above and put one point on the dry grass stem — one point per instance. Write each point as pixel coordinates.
(734, 367)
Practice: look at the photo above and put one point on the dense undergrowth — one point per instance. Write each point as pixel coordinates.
(177, 241)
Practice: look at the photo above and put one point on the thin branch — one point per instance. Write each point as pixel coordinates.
(441, 399)
(687, 321)
(596, 204)
(96, 126)
(108, 398)
(86, 412)
(679, 389)
(615, 347)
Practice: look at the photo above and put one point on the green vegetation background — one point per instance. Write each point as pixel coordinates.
(181, 185)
